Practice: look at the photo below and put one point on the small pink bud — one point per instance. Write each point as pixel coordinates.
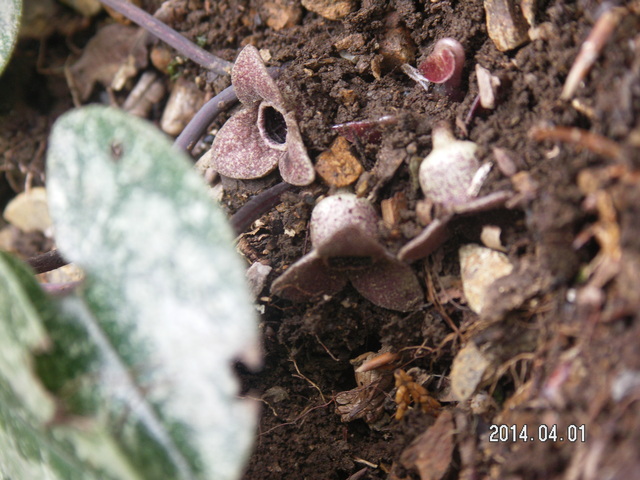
(444, 65)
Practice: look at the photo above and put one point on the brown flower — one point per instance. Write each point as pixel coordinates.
(264, 134)
(343, 232)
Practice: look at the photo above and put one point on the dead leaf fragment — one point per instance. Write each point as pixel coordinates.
(480, 267)
(366, 401)
(467, 372)
(337, 166)
(112, 48)
(431, 452)
(28, 211)
(330, 9)
(487, 87)
(505, 24)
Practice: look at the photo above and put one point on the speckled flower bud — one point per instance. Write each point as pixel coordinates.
(345, 225)
(447, 172)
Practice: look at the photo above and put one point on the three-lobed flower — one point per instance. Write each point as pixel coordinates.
(264, 134)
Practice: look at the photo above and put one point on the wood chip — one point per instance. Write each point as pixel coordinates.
(280, 14)
(28, 211)
(148, 91)
(505, 24)
(490, 237)
(391, 208)
(337, 166)
(505, 162)
(487, 86)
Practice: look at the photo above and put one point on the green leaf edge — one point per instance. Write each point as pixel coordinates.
(10, 16)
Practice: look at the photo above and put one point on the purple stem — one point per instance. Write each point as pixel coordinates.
(170, 36)
(201, 120)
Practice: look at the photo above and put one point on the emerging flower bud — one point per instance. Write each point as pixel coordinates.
(447, 172)
(345, 225)
(444, 66)
(451, 176)
(344, 236)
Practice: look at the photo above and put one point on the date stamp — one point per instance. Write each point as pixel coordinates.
(543, 433)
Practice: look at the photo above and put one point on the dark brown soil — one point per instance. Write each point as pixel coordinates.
(562, 331)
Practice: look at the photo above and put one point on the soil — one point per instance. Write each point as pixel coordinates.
(559, 334)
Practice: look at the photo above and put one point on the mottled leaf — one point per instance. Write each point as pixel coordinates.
(165, 298)
(10, 13)
(28, 447)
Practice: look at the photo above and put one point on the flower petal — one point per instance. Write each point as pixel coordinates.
(251, 80)
(296, 168)
(306, 279)
(390, 284)
(336, 212)
(350, 241)
(238, 151)
(427, 241)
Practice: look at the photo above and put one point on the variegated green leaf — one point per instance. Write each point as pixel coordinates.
(165, 298)
(28, 445)
(10, 13)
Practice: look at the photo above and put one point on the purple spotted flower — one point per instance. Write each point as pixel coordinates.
(345, 249)
(264, 134)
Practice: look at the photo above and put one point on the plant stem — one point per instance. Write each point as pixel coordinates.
(257, 206)
(208, 113)
(170, 36)
(201, 120)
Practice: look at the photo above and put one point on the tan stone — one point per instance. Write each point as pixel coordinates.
(330, 9)
(337, 166)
